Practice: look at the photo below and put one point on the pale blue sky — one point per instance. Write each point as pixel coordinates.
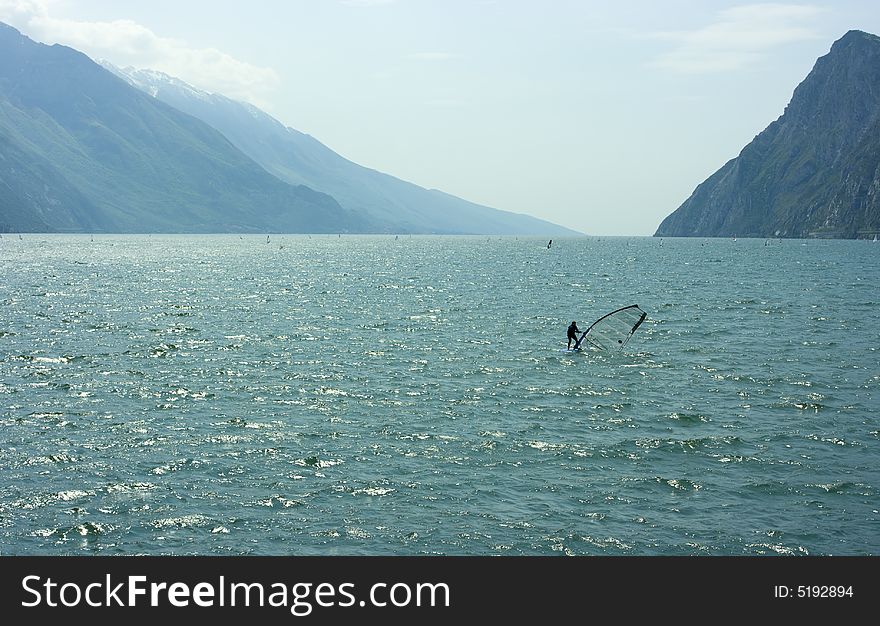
(596, 115)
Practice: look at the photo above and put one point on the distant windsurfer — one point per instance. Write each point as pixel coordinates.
(550, 243)
(573, 331)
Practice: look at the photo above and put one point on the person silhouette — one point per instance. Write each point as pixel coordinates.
(573, 331)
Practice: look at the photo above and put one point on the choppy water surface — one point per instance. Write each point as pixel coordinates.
(382, 395)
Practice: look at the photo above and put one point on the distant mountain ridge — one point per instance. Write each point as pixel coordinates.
(82, 151)
(297, 158)
(814, 172)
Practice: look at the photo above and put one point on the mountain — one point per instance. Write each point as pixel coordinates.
(814, 172)
(83, 151)
(298, 158)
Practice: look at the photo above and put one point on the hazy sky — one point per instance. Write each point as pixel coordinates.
(601, 116)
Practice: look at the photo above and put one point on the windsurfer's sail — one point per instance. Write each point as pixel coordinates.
(612, 331)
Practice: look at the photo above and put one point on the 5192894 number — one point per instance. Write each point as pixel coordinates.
(824, 591)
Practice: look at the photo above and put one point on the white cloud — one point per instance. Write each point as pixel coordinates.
(740, 36)
(125, 43)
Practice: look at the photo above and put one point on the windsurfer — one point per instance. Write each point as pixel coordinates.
(573, 331)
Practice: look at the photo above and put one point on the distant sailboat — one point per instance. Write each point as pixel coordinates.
(875, 238)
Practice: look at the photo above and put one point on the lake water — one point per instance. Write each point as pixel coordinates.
(382, 395)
